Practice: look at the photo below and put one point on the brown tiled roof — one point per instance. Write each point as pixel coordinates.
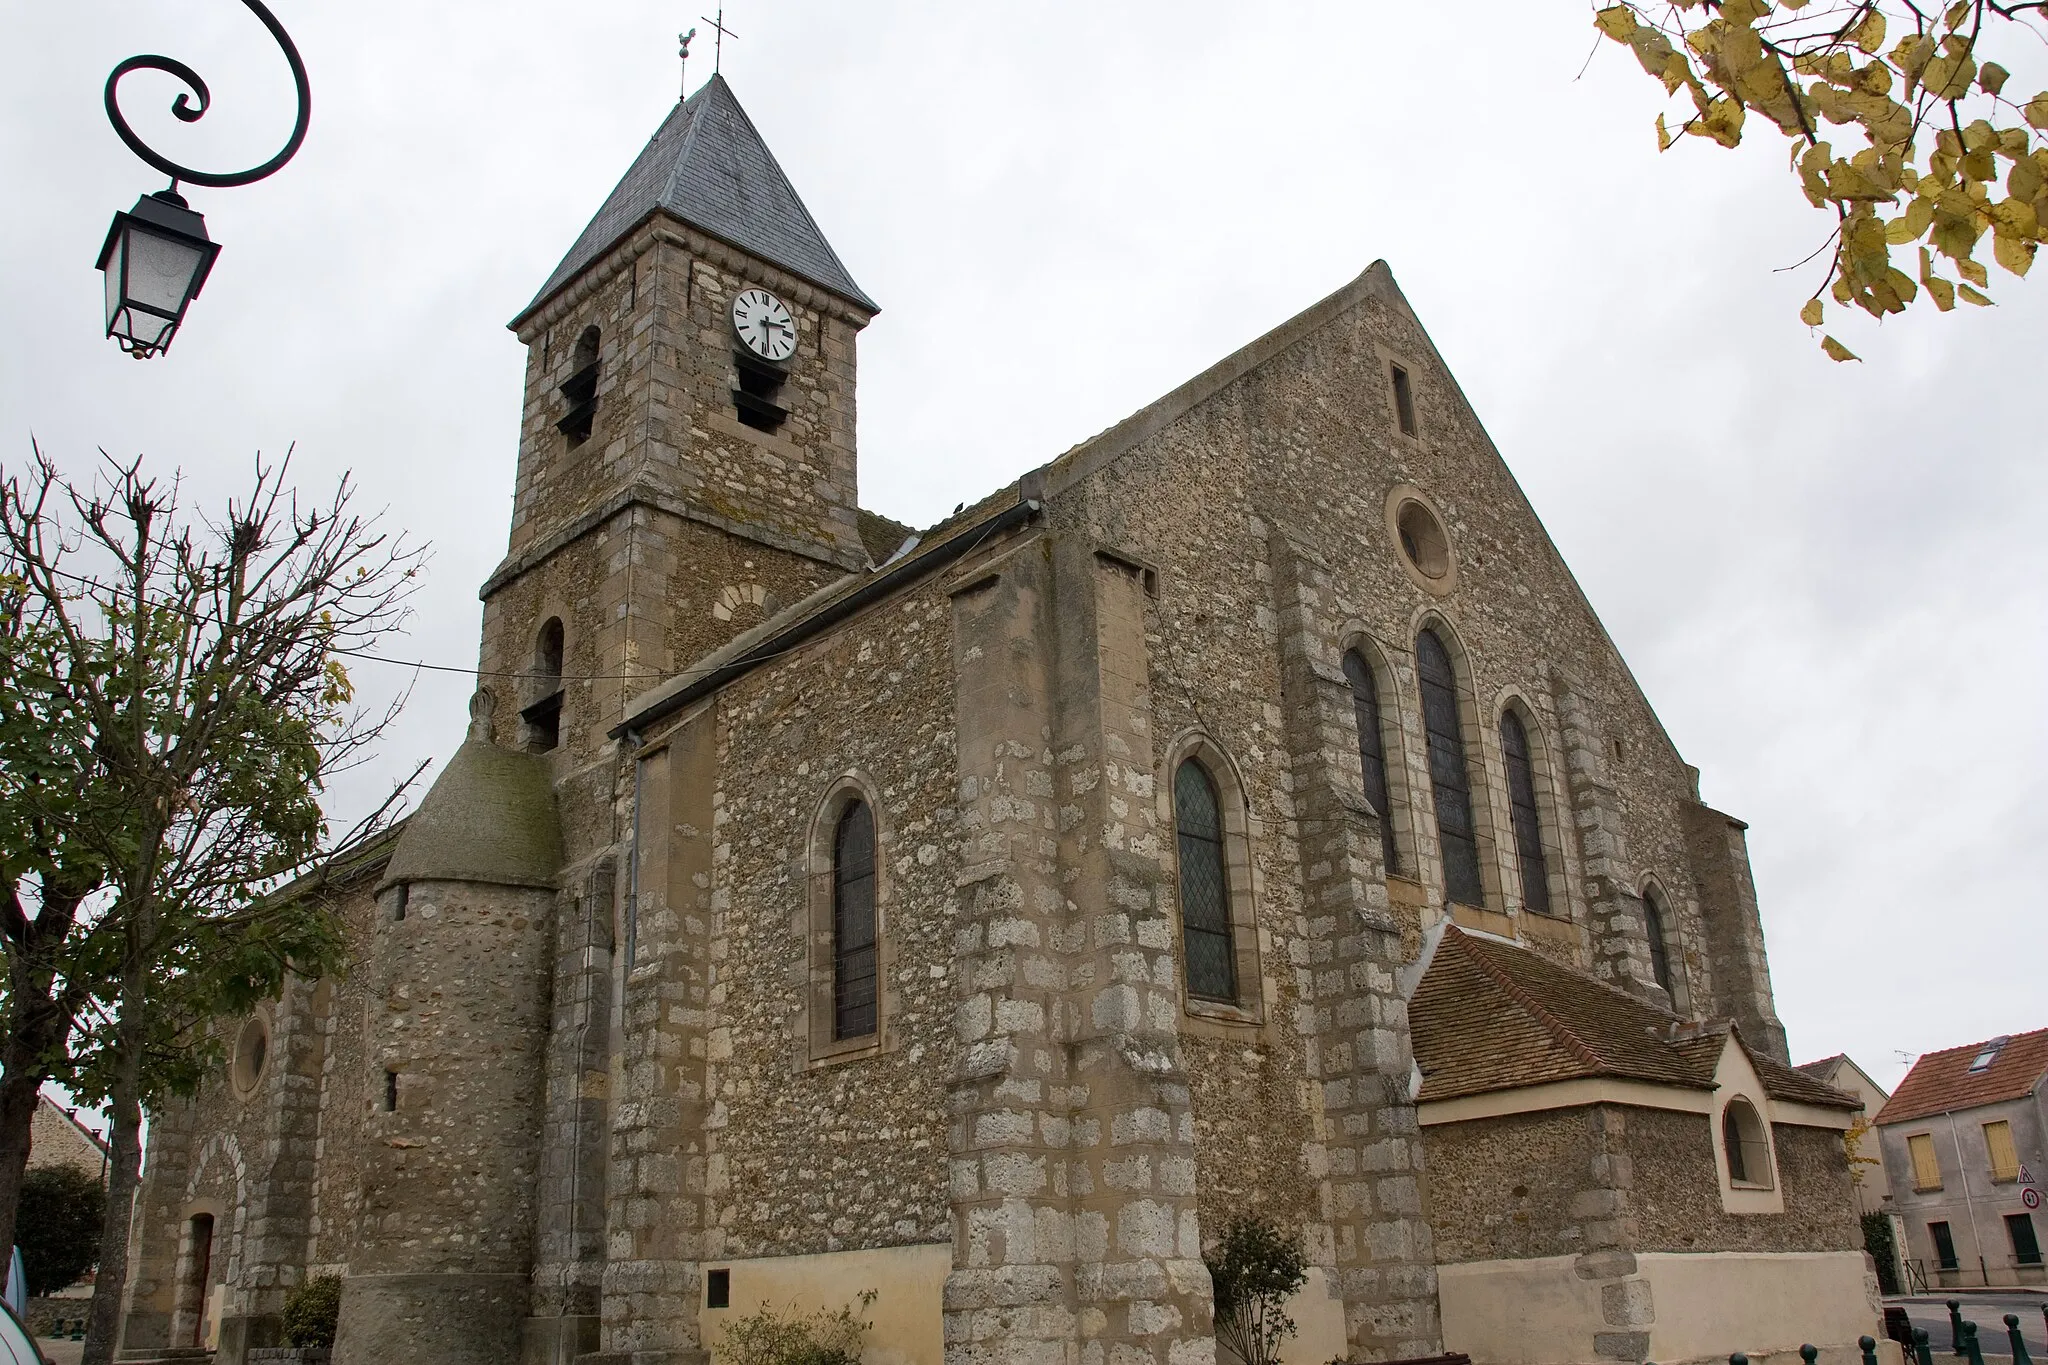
(1491, 1016)
(1819, 1070)
(1942, 1081)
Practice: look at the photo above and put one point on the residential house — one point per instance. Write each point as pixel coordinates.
(1873, 1186)
(1965, 1143)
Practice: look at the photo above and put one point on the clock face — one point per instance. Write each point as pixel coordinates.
(764, 324)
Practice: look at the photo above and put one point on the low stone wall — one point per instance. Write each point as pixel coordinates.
(289, 1355)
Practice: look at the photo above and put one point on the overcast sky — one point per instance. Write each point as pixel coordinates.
(1830, 579)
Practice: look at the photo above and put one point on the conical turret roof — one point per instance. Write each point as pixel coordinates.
(707, 165)
(489, 818)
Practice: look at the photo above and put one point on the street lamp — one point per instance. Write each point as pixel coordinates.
(156, 258)
(157, 254)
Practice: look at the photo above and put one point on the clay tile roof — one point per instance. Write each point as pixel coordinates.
(1489, 1016)
(1819, 1070)
(1942, 1081)
(708, 166)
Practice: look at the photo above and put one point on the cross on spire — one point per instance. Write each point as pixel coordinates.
(718, 43)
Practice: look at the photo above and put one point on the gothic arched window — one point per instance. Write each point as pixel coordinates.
(1744, 1143)
(1372, 751)
(1449, 779)
(853, 924)
(1660, 949)
(1522, 808)
(1211, 958)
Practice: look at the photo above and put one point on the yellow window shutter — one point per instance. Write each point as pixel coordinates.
(1926, 1169)
(2005, 1161)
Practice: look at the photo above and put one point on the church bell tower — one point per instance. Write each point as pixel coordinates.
(686, 456)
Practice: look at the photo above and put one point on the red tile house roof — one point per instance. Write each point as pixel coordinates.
(1489, 1016)
(1942, 1081)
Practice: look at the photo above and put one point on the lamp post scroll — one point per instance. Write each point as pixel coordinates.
(157, 255)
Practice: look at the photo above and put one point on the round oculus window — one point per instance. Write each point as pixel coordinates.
(252, 1054)
(1423, 540)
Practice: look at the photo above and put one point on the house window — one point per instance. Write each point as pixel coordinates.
(1535, 869)
(1211, 958)
(2019, 1227)
(1449, 779)
(1404, 401)
(1747, 1148)
(2005, 1160)
(1660, 949)
(853, 924)
(1926, 1165)
(1944, 1245)
(1372, 752)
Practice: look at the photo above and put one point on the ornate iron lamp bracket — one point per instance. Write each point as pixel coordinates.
(188, 112)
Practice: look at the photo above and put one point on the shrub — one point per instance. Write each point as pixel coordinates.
(768, 1337)
(58, 1226)
(1255, 1269)
(312, 1311)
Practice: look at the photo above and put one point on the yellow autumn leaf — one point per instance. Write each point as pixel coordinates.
(1744, 12)
(2015, 254)
(1991, 78)
(1617, 22)
(1836, 351)
(1973, 271)
(2037, 111)
(1664, 135)
(1869, 35)
(1813, 312)
(1972, 296)
(1942, 292)
(1957, 12)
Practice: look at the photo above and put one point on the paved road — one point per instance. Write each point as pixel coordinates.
(1988, 1311)
(61, 1352)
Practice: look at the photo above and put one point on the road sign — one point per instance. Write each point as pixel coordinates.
(2031, 1197)
(2026, 1176)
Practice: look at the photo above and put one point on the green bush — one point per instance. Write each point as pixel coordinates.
(312, 1311)
(768, 1337)
(1255, 1269)
(58, 1226)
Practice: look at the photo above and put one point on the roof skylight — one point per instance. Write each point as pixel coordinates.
(1990, 1053)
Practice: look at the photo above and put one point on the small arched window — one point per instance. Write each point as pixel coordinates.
(1207, 948)
(579, 391)
(543, 716)
(1372, 752)
(1660, 949)
(1747, 1148)
(1522, 808)
(853, 924)
(1449, 779)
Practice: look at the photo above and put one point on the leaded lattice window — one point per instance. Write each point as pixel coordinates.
(1372, 752)
(1660, 949)
(1535, 867)
(1449, 781)
(1211, 958)
(853, 924)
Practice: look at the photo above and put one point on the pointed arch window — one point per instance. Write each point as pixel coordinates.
(1660, 948)
(1207, 949)
(853, 924)
(1372, 752)
(1522, 809)
(1449, 779)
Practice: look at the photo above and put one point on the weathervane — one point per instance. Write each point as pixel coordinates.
(684, 54)
(718, 43)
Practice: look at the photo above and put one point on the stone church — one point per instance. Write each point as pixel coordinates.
(1244, 812)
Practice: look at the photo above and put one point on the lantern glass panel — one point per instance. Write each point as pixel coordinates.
(160, 270)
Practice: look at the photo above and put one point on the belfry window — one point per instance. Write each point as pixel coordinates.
(1211, 958)
(757, 396)
(579, 391)
(1522, 809)
(1449, 778)
(543, 716)
(1660, 947)
(1372, 752)
(853, 924)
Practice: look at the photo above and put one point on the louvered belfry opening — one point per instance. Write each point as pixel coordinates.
(853, 924)
(1529, 855)
(1372, 752)
(757, 398)
(579, 391)
(1449, 779)
(1204, 886)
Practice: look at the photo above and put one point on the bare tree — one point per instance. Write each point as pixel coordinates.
(173, 700)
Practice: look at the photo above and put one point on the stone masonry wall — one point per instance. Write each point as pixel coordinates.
(1679, 1208)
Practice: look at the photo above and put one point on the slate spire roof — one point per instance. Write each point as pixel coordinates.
(708, 166)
